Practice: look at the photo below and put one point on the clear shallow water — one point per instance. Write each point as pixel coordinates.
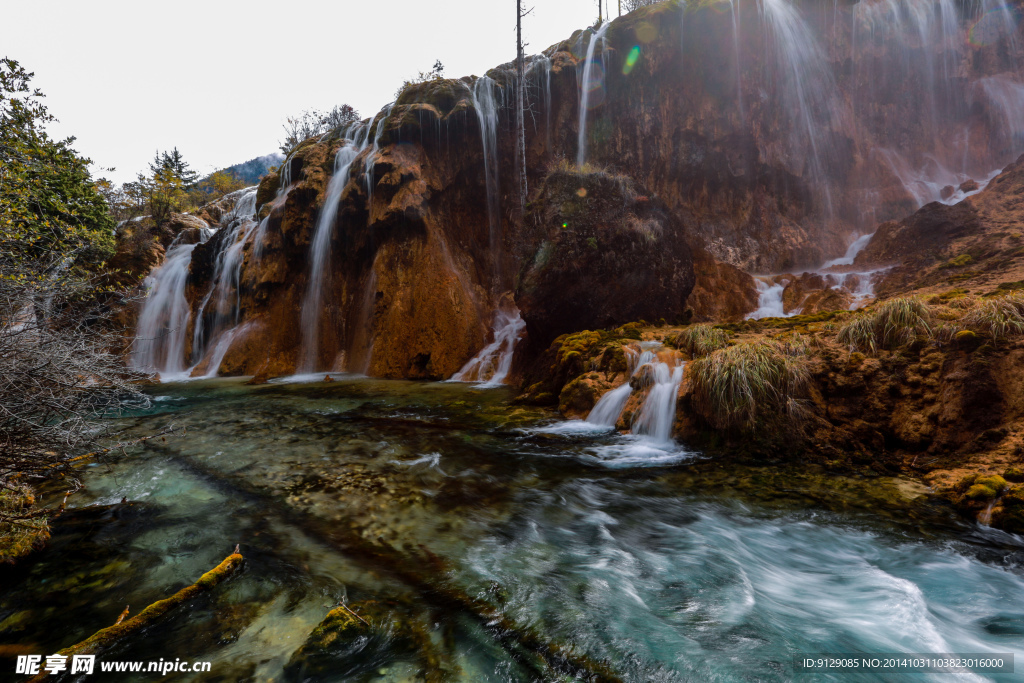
(412, 501)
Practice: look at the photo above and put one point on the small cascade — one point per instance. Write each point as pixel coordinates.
(609, 407)
(320, 247)
(769, 300)
(371, 158)
(222, 347)
(658, 413)
(933, 182)
(592, 81)
(490, 367)
(486, 106)
(162, 330)
(855, 248)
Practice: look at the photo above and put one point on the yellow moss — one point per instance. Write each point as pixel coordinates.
(980, 492)
(21, 537)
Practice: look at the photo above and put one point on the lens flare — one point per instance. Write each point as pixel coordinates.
(992, 26)
(595, 85)
(631, 59)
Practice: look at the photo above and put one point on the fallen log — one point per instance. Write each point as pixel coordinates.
(104, 638)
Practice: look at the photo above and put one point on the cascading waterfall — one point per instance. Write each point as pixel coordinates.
(320, 247)
(591, 81)
(491, 365)
(162, 330)
(239, 224)
(371, 158)
(609, 407)
(807, 85)
(658, 413)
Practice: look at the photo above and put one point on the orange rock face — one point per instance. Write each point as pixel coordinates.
(728, 173)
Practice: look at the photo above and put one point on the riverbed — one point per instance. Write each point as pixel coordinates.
(430, 508)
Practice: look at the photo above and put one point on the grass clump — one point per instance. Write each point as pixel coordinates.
(895, 323)
(998, 318)
(700, 340)
(749, 384)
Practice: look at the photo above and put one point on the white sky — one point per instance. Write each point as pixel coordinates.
(217, 78)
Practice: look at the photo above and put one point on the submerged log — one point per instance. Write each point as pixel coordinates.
(421, 572)
(106, 637)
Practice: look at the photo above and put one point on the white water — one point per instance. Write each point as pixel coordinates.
(222, 347)
(855, 248)
(371, 158)
(769, 300)
(609, 406)
(224, 287)
(320, 247)
(657, 415)
(490, 367)
(163, 322)
(586, 86)
(809, 90)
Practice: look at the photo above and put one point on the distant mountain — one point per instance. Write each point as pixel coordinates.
(251, 171)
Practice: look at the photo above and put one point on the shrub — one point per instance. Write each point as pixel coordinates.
(895, 323)
(748, 384)
(700, 340)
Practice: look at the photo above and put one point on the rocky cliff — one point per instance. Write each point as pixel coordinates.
(667, 152)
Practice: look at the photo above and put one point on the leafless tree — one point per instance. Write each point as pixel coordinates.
(62, 375)
(630, 5)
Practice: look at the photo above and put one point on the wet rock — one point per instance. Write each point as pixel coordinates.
(947, 192)
(607, 254)
(969, 185)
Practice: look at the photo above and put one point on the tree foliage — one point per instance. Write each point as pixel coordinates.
(49, 205)
(59, 375)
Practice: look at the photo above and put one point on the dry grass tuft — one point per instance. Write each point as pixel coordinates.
(739, 386)
(895, 323)
(700, 340)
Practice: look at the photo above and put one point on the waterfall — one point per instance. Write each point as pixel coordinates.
(320, 246)
(492, 364)
(658, 413)
(238, 225)
(162, 330)
(734, 11)
(486, 107)
(769, 300)
(807, 84)
(609, 406)
(371, 158)
(589, 83)
(851, 252)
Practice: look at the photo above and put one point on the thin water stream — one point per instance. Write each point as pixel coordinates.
(413, 502)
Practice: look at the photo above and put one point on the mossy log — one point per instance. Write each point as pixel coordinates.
(106, 637)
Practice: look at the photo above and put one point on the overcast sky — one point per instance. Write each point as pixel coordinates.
(217, 78)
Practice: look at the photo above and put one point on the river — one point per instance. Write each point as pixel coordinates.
(430, 507)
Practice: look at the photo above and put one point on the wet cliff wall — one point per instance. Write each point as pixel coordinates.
(757, 135)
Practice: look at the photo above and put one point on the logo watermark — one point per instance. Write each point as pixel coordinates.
(32, 665)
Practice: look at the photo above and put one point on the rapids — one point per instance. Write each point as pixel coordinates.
(398, 492)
